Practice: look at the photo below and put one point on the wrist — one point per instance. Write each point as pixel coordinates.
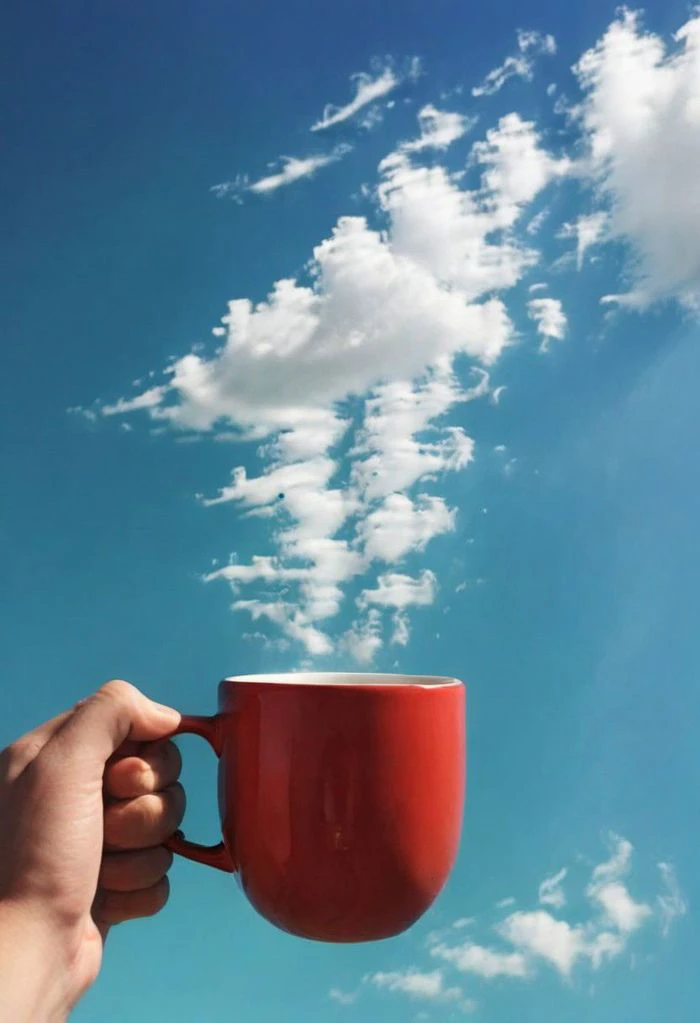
(34, 978)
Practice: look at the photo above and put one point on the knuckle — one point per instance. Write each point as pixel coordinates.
(116, 689)
(17, 756)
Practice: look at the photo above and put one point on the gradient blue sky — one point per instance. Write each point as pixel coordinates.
(556, 571)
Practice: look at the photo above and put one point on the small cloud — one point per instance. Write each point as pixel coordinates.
(531, 44)
(397, 590)
(484, 962)
(438, 129)
(496, 394)
(420, 986)
(550, 318)
(550, 891)
(373, 118)
(531, 41)
(363, 640)
(293, 169)
(505, 903)
(84, 413)
(368, 89)
(147, 400)
(537, 221)
(402, 630)
(588, 230)
(342, 997)
(671, 904)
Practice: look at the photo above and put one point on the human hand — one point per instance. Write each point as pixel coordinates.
(86, 802)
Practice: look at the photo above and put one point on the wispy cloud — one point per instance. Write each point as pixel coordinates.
(342, 997)
(550, 319)
(293, 169)
(551, 892)
(438, 129)
(426, 986)
(531, 44)
(588, 229)
(368, 89)
(671, 903)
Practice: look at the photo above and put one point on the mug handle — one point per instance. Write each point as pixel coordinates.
(210, 855)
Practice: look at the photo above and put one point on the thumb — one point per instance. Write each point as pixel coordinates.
(101, 723)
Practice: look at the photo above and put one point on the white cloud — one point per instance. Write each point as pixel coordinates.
(588, 230)
(342, 997)
(368, 89)
(537, 221)
(617, 865)
(402, 630)
(539, 935)
(294, 168)
(364, 638)
(671, 902)
(620, 908)
(606, 888)
(641, 121)
(484, 962)
(422, 986)
(458, 235)
(517, 167)
(505, 903)
(400, 525)
(551, 892)
(550, 318)
(531, 41)
(400, 591)
(438, 129)
(521, 65)
(149, 399)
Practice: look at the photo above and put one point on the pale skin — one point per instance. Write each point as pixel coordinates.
(86, 802)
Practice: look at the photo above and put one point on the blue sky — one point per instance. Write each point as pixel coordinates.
(475, 392)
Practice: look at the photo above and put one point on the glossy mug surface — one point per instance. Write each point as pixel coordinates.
(340, 796)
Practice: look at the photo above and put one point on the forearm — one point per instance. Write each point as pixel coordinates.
(33, 980)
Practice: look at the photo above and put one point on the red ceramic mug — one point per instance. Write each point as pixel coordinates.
(340, 797)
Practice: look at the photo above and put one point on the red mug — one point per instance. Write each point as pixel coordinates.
(340, 797)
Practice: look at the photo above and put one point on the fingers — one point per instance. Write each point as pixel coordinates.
(133, 871)
(144, 821)
(151, 768)
(116, 712)
(113, 907)
(131, 885)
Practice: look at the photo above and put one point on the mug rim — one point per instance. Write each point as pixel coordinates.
(339, 679)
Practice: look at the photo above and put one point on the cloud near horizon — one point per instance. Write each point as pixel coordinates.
(401, 322)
